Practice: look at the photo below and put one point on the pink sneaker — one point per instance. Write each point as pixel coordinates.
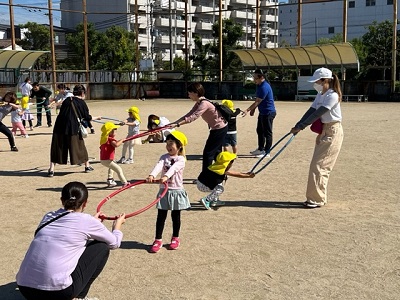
(157, 245)
(175, 242)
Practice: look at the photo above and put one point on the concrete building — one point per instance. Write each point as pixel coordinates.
(156, 26)
(324, 19)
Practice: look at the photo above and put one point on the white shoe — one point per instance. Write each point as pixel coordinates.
(263, 155)
(257, 152)
(128, 161)
(111, 183)
(25, 136)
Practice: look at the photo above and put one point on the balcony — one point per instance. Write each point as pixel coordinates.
(201, 9)
(176, 40)
(269, 18)
(238, 14)
(265, 3)
(244, 2)
(204, 26)
(164, 22)
(140, 2)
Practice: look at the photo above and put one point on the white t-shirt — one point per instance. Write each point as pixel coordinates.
(330, 100)
(25, 88)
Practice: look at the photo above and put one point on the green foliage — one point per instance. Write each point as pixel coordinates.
(207, 56)
(337, 38)
(37, 38)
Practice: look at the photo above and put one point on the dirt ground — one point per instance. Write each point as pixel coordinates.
(262, 245)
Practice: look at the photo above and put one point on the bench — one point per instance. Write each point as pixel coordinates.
(359, 98)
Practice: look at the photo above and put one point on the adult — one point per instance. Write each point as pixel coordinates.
(69, 250)
(9, 104)
(154, 122)
(325, 107)
(42, 95)
(66, 136)
(216, 123)
(267, 113)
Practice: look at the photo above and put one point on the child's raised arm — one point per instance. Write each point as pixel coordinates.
(118, 143)
(239, 174)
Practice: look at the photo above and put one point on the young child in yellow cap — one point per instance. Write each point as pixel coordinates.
(171, 166)
(231, 135)
(210, 180)
(108, 143)
(133, 122)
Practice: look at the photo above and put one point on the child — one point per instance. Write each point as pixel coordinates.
(108, 143)
(16, 122)
(9, 105)
(133, 122)
(171, 166)
(154, 122)
(231, 136)
(210, 180)
(27, 115)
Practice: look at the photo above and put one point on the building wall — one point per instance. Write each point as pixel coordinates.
(325, 19)
(155, 28)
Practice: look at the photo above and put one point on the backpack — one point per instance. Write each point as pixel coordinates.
(225, 112)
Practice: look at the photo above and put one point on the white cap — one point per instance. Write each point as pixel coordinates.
(320, 73)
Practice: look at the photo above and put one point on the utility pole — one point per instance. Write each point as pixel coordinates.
(171, 45)
(12, 29)
(299, 21)
(137, 40)
(257, 24)
(345, 4)
(86, 48)
(53, 51)
(220, 42)
(186, 38)
(394, 46)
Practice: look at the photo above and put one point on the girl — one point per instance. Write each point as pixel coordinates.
(27, 115)
(217, 124)
(171, 166)
(9, 105)
(211, 179)
(154, 122)
(16, 122)
(325, 107)
(133, 122)
(108, 143)
(69, 250)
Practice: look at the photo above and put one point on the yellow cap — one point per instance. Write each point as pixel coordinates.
(180, 136)
(228, 104)
(135, 112)
(222, 161)
(106, 130)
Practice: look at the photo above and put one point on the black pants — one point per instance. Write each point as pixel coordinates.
(176, 222)
(7, 132)
(90, 265)
(213, 146)
(29, 121)
(43, 105)
(264, 131)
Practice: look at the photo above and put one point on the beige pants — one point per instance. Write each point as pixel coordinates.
(113, 167)
(326, 151)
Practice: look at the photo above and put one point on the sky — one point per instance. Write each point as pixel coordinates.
(25, 14)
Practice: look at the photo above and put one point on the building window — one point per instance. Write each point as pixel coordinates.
(389, 2)
(352, 4)
(331, 29)
(369, 2)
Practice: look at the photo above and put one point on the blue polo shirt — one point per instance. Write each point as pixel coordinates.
(267, 105)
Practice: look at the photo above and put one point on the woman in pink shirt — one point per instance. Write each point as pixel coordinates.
(216, 123)
(69, 250)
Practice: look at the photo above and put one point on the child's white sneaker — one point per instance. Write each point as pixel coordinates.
(111, 182)
(128, 161)
(121, 160)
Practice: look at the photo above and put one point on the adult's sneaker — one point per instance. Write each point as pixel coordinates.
(263, 154)
(175, 242)
(121, 160)
(205, 203)
(157, 245)
(89, 169)
(128, 161)
(257, 152)
(217, 203)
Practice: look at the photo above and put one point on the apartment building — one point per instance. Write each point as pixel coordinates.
(162, 22)
(324, 19)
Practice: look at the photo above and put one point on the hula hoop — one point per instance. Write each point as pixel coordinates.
(273, 157)
(111, 119)
(104, 217)
(101, 122)
(146, 133)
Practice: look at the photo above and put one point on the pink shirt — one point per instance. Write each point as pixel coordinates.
(208, 112)
(172, 167)
(54, 252)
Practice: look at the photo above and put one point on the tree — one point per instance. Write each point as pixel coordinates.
(37, 38)
(207, 57)
(337, 38)
(378, 47)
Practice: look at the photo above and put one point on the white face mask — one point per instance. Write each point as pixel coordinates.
(318, 87)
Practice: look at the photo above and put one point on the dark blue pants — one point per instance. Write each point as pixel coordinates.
(213, 146)
(264, 131)
(90, 265)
